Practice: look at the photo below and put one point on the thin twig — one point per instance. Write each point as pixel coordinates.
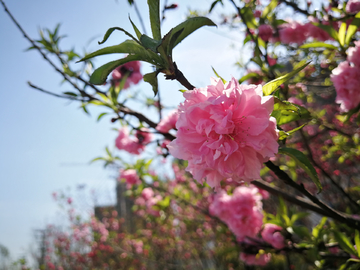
(140, 17)
(57, 95)
(42, 53)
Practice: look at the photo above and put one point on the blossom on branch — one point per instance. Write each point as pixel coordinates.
(130, 71)
(133, 145)
(225, 131)
(271, 234)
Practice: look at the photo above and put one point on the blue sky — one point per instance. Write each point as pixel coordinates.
(46, 143)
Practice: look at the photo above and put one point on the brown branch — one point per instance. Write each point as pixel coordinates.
(290, 197)
(341, 217)
(295, 7)
(57, 95)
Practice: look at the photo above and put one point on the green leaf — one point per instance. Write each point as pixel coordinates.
(131, 47)
(100, 75)
(341, 34)
(274, 84)
(214, 4)
(304, 163)
(189, 26)
(138, 33)
(248, 17)
(101, 115)
(150, 43)
(152, 79)
(317, 229)
(318, 45)
(154, 11)
(248, 76)
(330, 30)
(344, 242)
(286, 112)
(284, 134)
(353, 27)
(273, 4)
(70, 94)
(112, 29)
(357, 242)
(217, 75)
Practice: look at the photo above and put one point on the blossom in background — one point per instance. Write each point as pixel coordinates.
(130, 176)
(133, 145)
(168, 123)
(265, 32)
(241, 211)
(271, 234)
(353, 54)
(346, 79)
(130, 71)
(353, 6)
(293, 32)
(225, 131)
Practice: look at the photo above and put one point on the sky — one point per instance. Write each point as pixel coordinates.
(46, 143)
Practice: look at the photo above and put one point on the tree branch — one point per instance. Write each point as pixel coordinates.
(341, 217)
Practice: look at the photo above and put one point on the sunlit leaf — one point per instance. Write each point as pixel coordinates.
(152, 79)
(344, 242)
(318, 45)
(154, 12)
(274, 84)
(111, 30)
(353, 27)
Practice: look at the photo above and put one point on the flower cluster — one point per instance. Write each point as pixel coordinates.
(346, 79)
(241, 211)
(225, 131)
(130, 71)
(133, 145)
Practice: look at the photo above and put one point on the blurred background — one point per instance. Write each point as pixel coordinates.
(47, 143)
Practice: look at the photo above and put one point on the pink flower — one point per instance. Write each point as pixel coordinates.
(271, 61)
(354, 54)
(241, 211)
(147, 193)
(296, 101)
(271, 234)
(252, 259)
(346, 80)
(130, 69)
(130, 176)
(225, 131)
(353, 6)
(134, 145)
(168, 123)
(316, 32)
(69, 200)
(265, 32)
(293, 32)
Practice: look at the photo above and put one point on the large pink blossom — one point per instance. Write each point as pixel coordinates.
(133, 145)
(353, 6)
(225, 131)
(130, 176)
(241, 211)
(168, 123)
(346, 79)
(271, 234)
(130, 69)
